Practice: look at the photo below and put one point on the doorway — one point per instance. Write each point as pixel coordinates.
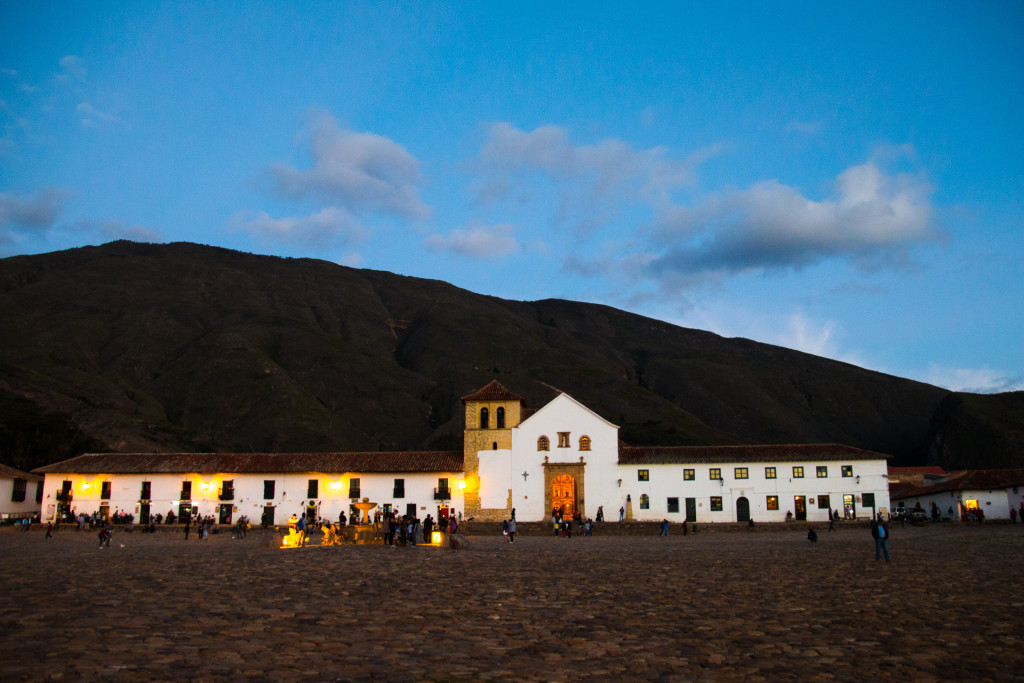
(143, 513)
(563, 496)
(800, 508)
(225, 514)
(742, 509)
(691, 509)
(849, 506)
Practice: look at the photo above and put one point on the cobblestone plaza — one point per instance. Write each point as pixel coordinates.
(709, 606)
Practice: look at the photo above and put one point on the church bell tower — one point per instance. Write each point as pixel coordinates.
(491, 413)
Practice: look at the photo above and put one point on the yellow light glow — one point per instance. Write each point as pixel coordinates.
(435, 537)
(335, 486)
(85, 486)
(462, 484)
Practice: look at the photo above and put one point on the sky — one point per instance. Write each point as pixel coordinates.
(844, 179)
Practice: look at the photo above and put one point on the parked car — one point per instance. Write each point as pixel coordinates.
(918, 517)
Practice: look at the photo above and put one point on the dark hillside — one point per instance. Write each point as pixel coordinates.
(184, 347)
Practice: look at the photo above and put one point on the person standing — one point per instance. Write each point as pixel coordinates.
(512, 531)
(664, 527)
(188, 526)
(880, 532)
(622, 513)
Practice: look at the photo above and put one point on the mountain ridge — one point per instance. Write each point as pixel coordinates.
(129, 346)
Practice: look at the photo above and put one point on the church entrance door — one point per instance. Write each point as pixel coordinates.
(563, 495)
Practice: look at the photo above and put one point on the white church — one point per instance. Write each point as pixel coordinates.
(560, 458)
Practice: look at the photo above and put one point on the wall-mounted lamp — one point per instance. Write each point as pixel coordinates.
(858, 478)
(620, 483)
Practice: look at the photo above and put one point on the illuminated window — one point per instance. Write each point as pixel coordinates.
(643, 475)
(769, 472)
(105, 490)
(268, 489)
(688, 475)
(563, 439)
(584, 443)
(798, 472)
(543, 444)
(822, 471)
(715, 472)
(485, 420)
(824, 503)
(847, 470)
(499, 418)
(645, 502)
(673, 505)
(741, 473)
(716, 503)
(772, 503)
(313, 490)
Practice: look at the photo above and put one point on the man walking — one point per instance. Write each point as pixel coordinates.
(880, 532)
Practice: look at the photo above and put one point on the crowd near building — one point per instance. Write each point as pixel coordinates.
(562, 458)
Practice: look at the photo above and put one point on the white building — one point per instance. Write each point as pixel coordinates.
(20, 493)
(994, 492)
(561, 457)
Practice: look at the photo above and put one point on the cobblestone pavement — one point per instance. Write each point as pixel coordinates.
(708, 607)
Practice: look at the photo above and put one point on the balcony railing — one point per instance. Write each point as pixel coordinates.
(226, 494)
(442, 494)
(353, 493)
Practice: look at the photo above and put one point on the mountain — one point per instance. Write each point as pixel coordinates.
(182, 347)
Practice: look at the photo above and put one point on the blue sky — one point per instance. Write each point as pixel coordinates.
(844, 180)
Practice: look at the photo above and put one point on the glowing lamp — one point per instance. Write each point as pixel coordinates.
(435, 538)
(462, 484)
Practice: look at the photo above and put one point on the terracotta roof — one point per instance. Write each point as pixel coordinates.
(969, 480)
(6, 471)
(494, 391)
(125, 463)
(670, 455)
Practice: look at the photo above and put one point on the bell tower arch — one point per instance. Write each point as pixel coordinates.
(491, 414)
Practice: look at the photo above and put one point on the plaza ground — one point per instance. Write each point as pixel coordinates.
(710, 606)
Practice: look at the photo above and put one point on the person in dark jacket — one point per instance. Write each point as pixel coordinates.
(880, 532)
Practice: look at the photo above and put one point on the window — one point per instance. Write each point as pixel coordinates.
(847, 470)
(313, 490)
(39, 492)
(716, 503)
(688, 475)
(399, 491)
(716, 472)
(442, 492)
(643, 475)
(741, 473)
(227, 490)
(268, 489)
(147, 490)
(772, 502)
(543, 444)
(584, 443)
(563, 439)
(868, 500)
(769, 472)
(824, 503)
(822, 471)
(485, 421)
(798, 472)
(186, 490)
(673, 505)
(18, 492)
(645, 502)
(105, 490)
(353, 487)
(500, 418)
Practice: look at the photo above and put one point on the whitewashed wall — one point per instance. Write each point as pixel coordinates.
(289, 492)
(9, 507)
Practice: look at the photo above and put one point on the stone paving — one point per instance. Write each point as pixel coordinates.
(758, 606)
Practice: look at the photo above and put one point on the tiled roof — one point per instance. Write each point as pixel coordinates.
(670, 455)
(969, 480)
(130, 463)
(494, 391)
(6, 471)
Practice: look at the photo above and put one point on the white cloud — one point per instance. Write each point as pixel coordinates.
(39, 211)
(771, 225)
(327, 228)
(972, 380)
(361, 172)
(590, 182)
(477, 241)
(72, 68)
(91, 115)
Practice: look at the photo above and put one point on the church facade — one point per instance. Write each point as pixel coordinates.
(560, 458)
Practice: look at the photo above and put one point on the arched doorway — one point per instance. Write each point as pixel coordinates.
(742, 509)
(563, 495)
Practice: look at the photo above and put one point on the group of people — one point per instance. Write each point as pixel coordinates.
(390, 528)
(563, 525)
